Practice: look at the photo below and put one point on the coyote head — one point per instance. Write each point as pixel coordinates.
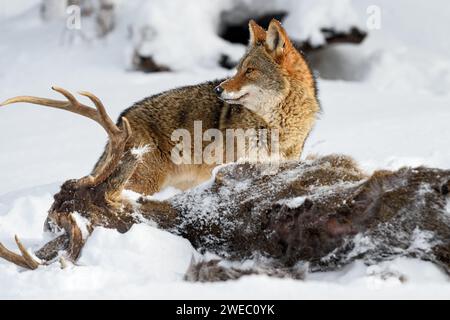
(267, 71)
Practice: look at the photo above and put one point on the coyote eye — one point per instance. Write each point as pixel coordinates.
(249, 70)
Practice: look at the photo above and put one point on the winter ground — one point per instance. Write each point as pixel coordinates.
(392, 109)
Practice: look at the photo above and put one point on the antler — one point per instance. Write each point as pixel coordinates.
(117, 136)
(94, 196)
(72, 242)
(24, 259)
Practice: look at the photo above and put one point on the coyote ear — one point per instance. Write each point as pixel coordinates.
(257, 33)
(277, 38)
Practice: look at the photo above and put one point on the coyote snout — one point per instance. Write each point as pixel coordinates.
(232, 97)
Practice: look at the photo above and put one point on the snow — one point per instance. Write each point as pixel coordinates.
(140, 152)
(421, 240)
(12, 9)
(153, 29)
(386, 103)
(82, 223)
(293, 202)
(157, 19)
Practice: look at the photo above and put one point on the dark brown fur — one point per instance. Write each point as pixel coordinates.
(255, 221)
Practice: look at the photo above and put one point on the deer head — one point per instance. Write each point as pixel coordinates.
(95, 197)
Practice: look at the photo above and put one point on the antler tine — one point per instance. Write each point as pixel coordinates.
(106, 121)
(68, 95)
(115, 153)
(100, 116)
(36, 100)
(12, 257)
(25, 260)
(126, 127)
(33, 264)
(76, 241)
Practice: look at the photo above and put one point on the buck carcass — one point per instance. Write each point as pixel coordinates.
(324, 212)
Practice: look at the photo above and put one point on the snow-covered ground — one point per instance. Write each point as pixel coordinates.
(386, 103)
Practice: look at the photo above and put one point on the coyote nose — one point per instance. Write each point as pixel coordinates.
(218, 90)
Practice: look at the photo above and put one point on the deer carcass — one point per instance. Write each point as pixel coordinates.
(324, 211)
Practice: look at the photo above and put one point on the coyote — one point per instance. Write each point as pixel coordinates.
(273, 89)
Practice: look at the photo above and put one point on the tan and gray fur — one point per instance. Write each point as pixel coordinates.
(278, 90)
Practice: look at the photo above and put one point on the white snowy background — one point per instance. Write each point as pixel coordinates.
(386, 103)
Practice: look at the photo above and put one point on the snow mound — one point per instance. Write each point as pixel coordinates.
(145, 251)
